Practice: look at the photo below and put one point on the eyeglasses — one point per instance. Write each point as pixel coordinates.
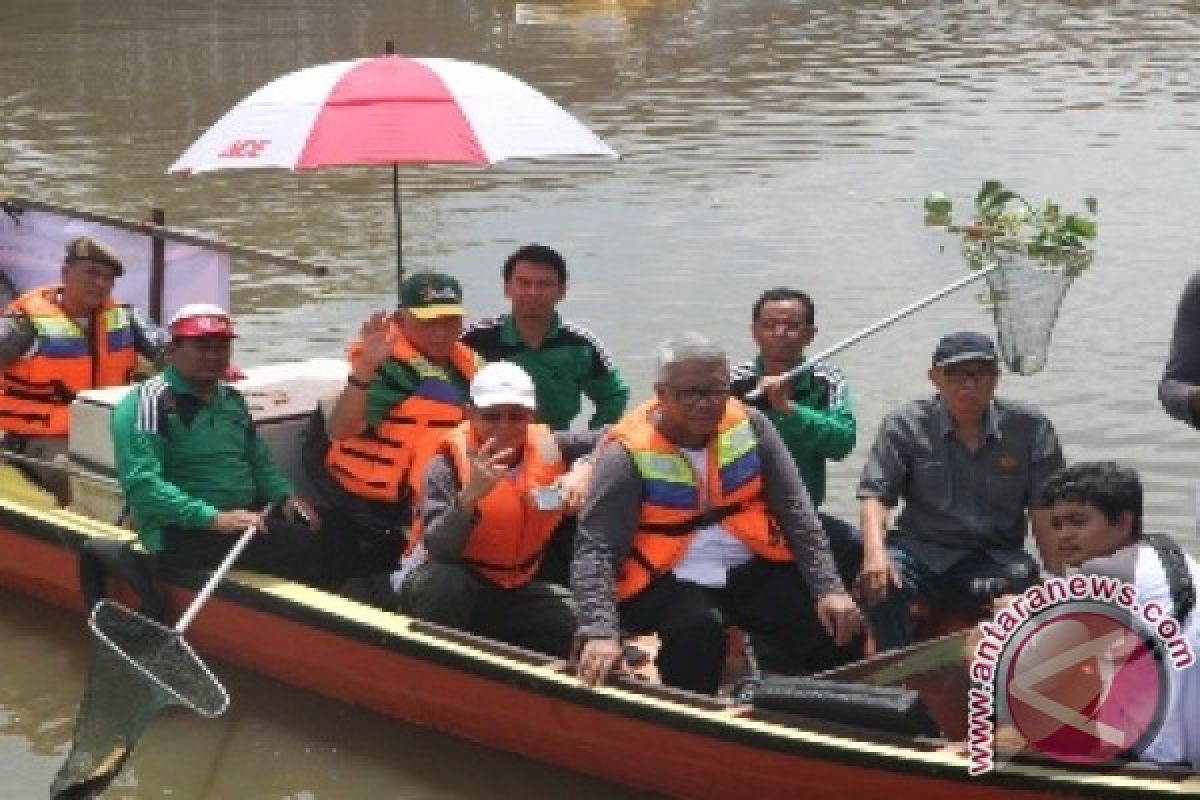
(782, 327)
(964, 377)
(492, 417)
(694, 395)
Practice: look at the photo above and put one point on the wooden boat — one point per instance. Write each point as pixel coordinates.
(629, 732)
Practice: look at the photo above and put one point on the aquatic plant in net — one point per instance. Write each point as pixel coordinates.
(138, 667)
(1030, 256)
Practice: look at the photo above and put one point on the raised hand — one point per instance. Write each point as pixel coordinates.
(378, 337)
(488, 465)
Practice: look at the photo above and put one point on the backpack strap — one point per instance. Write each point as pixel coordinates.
(1179, 577)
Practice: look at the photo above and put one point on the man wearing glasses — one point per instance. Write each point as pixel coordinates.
(968, 466)
(696, 518)
(812, 411)
(494, 494)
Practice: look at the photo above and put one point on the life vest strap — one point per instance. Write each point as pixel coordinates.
(710, 516)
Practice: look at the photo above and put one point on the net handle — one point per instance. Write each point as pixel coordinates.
(855, 338)
(211, 584)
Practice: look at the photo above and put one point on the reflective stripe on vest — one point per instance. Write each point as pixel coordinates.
(672, 509)
(38, 389)
(380, 463)
(510, 533)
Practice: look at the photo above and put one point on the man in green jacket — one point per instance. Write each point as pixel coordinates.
(812, 411)
(565, 360)
(194, 470)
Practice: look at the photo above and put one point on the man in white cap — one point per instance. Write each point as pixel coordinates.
(194, 470)
(493, 496)
(56, 341)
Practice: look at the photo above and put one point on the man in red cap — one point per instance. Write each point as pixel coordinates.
(194, 470)
(56, 341)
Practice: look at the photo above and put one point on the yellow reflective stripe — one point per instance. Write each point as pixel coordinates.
(56, 327)
(115, 318)
(735, 443)
(664, 467)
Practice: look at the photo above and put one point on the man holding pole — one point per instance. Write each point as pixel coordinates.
(194, 470)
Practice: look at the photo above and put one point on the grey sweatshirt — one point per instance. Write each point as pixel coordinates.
(609, 520)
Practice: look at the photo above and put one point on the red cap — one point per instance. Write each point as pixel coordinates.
(200, 319)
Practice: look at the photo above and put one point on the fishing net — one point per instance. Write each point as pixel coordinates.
(138, 667)
(1025, 294)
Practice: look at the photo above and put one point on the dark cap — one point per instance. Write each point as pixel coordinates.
(964, 346)
(428, 295)
(85, 248)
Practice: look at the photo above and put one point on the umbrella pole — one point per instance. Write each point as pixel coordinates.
(399, 225)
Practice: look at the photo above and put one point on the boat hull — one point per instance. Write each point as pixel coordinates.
(663, 741)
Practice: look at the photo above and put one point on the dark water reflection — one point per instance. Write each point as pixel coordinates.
(764, 142)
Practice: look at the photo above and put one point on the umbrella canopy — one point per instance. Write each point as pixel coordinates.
(390, 110)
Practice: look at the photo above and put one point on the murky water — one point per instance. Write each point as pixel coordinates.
(764, 143)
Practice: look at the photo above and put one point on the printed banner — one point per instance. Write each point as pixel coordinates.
(31, 254)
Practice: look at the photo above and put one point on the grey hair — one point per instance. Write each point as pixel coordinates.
(687, 346)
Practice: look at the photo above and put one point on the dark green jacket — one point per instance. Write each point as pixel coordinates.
(570, 363)
(820, 425)
(181, 460)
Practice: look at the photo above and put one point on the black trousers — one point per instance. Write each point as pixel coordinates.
(764, 598)
(287, 549)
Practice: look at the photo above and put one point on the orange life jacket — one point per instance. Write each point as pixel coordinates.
(38, 389)
(506, 543)
(673, 505)
(378, 463)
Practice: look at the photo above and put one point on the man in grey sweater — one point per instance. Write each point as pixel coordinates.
(697, 518)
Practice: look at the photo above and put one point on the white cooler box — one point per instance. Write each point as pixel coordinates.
(281, 399)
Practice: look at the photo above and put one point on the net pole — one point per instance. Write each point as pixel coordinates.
(887, 321)
(211, 584)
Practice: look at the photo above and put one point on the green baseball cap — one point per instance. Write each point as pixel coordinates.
(429, 295)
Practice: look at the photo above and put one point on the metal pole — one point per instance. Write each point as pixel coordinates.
(399, 225)
(211, 584)
(158, 266)
(811, 362)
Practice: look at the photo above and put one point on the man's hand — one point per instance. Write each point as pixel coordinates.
(574, 486)
(877, 576)
(487, 467)
(597, 658)
(778, 391)
(297, 509)
(378, 336)
(238, 520)
(839, 617)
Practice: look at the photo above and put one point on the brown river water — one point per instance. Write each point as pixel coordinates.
(764, 143)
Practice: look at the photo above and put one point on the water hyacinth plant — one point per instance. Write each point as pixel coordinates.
(1006, 224)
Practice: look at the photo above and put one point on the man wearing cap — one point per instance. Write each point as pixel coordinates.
(565, 360)
(494, 494)
(968, 466)
(194, 470)
(56, 341)
(407, 386)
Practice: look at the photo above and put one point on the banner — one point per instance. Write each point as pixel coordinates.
(32, 244)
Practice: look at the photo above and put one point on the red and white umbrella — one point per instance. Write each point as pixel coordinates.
(390, 110)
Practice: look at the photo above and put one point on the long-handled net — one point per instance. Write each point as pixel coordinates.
(1025, 294)
(138, 667)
